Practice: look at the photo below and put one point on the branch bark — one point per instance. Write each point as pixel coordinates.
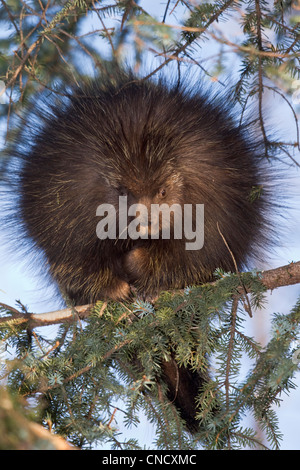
(283, 276)
(274, 278)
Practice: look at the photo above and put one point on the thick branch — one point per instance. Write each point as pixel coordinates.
(282, 276)
(17, 432)
(272, 279)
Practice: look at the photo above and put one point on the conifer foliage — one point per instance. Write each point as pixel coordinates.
(85, 382)
(101, 371)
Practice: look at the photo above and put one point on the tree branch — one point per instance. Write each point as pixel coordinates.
(272, 279)
(283, 276)
(33, 320)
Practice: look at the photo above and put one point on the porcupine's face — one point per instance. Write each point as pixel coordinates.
(152, 202)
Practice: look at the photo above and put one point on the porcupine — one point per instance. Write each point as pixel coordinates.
(154, 143)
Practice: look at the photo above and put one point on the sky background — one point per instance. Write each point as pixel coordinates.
(16, 282)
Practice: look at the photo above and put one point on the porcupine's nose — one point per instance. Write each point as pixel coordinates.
(148, 217)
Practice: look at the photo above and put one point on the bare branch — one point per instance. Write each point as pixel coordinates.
(283, 276)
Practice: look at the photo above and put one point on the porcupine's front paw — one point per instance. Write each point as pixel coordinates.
(140, 273)
(135, 264)
(117, 290)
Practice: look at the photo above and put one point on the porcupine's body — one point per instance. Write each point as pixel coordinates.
(155, 145)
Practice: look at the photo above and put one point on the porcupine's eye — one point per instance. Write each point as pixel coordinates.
(162, 193)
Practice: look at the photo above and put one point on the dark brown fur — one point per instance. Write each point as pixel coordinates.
(155, 144)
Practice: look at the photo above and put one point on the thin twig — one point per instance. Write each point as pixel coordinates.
(230, 349)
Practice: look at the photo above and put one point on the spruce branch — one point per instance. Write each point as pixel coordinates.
(136, 344)
(271, 279)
